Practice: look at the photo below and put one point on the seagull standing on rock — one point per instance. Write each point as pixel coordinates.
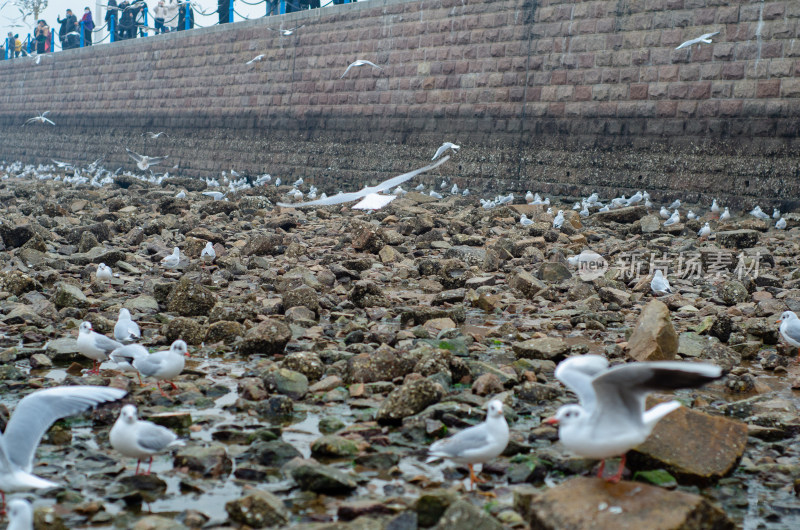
(95, 346)
(781, 224)
(790, 329)
(208, 255)
(126, 330)
(705, 231)
(475, 445)
(659, 284)
(611, 418)
(664, 213)
(725, 215)
(558, 222)
(675, 218)
(103, 273)
(164, 365)
(173, 260)
(776, 213)
(758, 213)
(140, 439)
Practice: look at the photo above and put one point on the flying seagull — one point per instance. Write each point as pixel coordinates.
(255, 59)
(144, 162)
(360, 63)
(444, 147)
(153, 135)
(40, 118)
(286, 32)
(705, 38)
(355, 195)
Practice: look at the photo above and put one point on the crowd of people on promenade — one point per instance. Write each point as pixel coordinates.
(128, 20)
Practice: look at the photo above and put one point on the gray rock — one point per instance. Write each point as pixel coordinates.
(259, 509)
(189, 299)
(628, 214)
(68, 295)
(287, 382)
(212, 461)
(462, 514)
(323, 479)
(738, 238)
(97, 255)
(332, 446)
(547, 348)
(409, 399)
(267, 338)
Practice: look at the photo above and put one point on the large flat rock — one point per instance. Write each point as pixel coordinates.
(695, 447)
(628, 214)
(595, 504)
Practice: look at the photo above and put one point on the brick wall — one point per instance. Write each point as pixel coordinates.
(557, 96)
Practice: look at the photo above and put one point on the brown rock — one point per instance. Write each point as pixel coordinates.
(525, 283)
(487, 384)
(575, 504)
(711, 452)
(547, 348)
(654, 338)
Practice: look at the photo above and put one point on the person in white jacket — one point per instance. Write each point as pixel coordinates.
(171, 17)
(159, 16)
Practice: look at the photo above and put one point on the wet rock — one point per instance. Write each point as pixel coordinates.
(177, 421)
(275, 453)
(721, 327)
(287, 382)
(276, 407)
(330, 424)
(462, 514)
(732, 292)
(190, 299)
(68, 295)
(547, 348)
(525, 283)
(737, 238)
(487, 384)
(138, 488)
(654, 338)
(186, 329)
(332, 446)
(534, 392)
(40, 361)
(267, 338)
(431, 506)
(553, 272)
(157, 522)
(211, 461)
(303, 296)
(47, 518)
(588, 502)
(407, 400)
(710, 453)
(224, 330)
(323, 479)
(382, 365)
(306, 363)
(367, 293)
(259, 509)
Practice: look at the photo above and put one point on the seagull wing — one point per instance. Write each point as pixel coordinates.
(348, 69)
(153, 160)
(47, 121)
(687, 43)
(439, 151)
(37, 412)
(150, 364)
(708, 35)
(372, 64)
(154, 437)
(462, 443)
(396, 181)
(577, 374)
(128, 354)
(336, 199)
(136, 156)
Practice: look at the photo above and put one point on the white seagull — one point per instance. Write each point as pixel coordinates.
(790, 329)
(163, 365)
(140, 439)
(103, 273)
(181, 195)
(154, 135)
(216, 195)
(558, 222)
(374, 201)
(705, 231)
(126, 355)
(704, 38)
(664, 213)
(144, 162)
(286, 32)
(34, 414)
(659, 284)
(715, 207)
(40, 118)
(477, 444)
(725, 215)
(172, 261)
(94, 346)
(256, 59)
(444, 147)
(208, 255)
(690, 215)
(758, 214)
(126, 330)
(675, 218)
(675, 204)
(360, 63)
(611, 418)
(781, 224)
(776, 213)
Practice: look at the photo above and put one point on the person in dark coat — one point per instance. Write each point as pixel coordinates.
(223, 9)
(182, 16)
(42, 36)
(68, 31)
(113, 12)
(127, 20)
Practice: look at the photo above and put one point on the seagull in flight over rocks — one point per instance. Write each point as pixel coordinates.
(444, 147)
(287, 32)
(144, 162)
(360, 63)
(705, 38)
(154, 135)
(256, 59)
(40, 118)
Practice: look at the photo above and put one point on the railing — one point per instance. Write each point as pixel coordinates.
(142, 28)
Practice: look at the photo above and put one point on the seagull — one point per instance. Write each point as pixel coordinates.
(163, 365)
(286, 32)
(126, 355)
(524, 221)
(705, 38)
(20, 515)
(675, 204)
(611, 417)
(144, 162)
(277, 182)
(172, 261)
(559, 220)
(63, 165)
(181, 195)
(256, 59)
(444, 147)
(454, 189)
(103, 273)
(34, 414)
(635, 198)
(298, 182)
(776, 213)
(675, 218)
(208, 255)
(529, 197)
(465, 193)
(216, 195)
(725, 215)
(94, 346)
(374, 201)
(435, 195)
(790, 329)
(758, 214)
(477, 444)
(153, 135)
(691, 215)
(705, 231)
(585, 211)
(781, 224)
(352, 196)
(360, 63)
(40, 118)
(140, 439)
(664, 213)
(714, 206)
(126, 330)
(659, 284)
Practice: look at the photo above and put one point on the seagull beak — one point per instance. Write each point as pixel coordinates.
(551, 421)
(778, 321)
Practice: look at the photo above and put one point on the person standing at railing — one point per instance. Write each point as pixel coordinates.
(112, 13)
(171, 19)
(88, 26)
(127, 21)
(159, 15)
(139, 8)
(68, 32)
(273, 7)
(224, 11)
(42, 37)
(182, 16)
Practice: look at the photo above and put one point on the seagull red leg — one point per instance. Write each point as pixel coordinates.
(137, 467)
(158, 384)
(149, 465)
(602, 468)
(618, 475)
(173, 385)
